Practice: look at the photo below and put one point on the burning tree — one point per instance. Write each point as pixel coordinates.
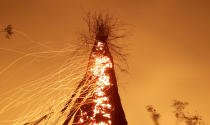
(98, 99)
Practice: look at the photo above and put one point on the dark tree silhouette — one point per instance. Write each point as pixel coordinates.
(179, 112)
(9, 31)
(155, 116)
(181, 115)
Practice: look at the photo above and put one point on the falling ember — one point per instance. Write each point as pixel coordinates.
(102, 106)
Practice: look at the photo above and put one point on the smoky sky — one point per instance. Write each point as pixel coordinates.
(168, 45)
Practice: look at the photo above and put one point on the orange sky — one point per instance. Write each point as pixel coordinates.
(169, 47)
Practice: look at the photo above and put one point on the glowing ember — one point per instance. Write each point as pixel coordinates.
(102, 107)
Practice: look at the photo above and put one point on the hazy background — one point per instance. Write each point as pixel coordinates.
(169, 47)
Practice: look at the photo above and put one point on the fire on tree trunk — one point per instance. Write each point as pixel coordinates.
(99, 101)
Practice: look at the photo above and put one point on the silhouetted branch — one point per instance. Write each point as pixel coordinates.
(9, 31)
(155, 116)
(183, 116)
(104, 27)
